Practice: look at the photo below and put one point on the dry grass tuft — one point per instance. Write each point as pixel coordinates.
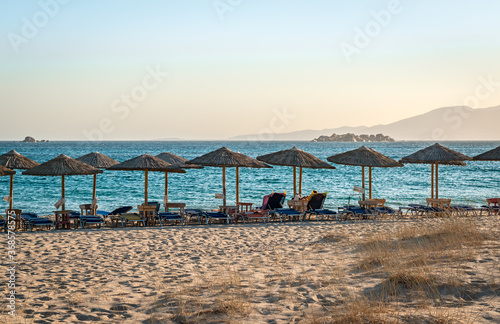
(415, 266)
(334, 238)
(224, 297)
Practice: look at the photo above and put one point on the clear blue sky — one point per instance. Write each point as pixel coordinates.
(215, 69)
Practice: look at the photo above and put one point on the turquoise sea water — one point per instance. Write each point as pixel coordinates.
(400, 186)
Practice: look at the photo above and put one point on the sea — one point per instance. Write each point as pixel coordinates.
(470, 184)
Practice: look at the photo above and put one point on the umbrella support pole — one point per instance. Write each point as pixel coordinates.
(94, 187)
(370, 182)
(62, 192)
(300, 181)
(224, 184)
(294, 181)
(165, 198)
(363, 181)
(437, 180)
(432, 180)
(146, 188)
(11, 193)
(237, 185)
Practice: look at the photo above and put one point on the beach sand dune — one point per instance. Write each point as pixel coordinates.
(278, 273)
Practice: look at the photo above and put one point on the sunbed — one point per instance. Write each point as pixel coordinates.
(356, 211)
(382, 210)
(31, 220)
(131, 218)
(190, 213)
(210, 216)
(172, 216)
(117, 211)
(315, 206)
(269, 204)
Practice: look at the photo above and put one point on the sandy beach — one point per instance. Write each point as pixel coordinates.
(315, 272)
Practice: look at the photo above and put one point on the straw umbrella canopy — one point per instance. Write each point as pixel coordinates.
(62, 166)
(99, 161)
(295, 157)
(14, 160)
(178, 162)
(365, 157)
(435, 155)
(6, 171)
(224, 158)
(146, 163)
(492, 155)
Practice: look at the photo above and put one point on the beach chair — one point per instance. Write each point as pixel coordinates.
(86, 217)
(382, 210)
(418, 210)
(173, 217)
(285, 214)
(268, 209)
(315, 206)
(464, 210)
(131, 218)
(263, 211)
(357, 212)
(192, 212)
(117, 211)
(492, 205)
(218, 216)
(30, 220)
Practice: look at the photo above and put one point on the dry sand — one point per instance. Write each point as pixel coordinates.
(253, 273)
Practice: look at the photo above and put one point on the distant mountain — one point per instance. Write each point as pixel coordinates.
(448, 123)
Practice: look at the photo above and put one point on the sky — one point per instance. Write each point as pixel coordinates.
(204, 69)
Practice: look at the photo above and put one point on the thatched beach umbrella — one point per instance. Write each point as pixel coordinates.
(146, 162)
(492, 155)
(224, 157)
(295, 157)
(435, 155)
(178, 162)
(99, 161)
(14, 160)
(365, 157)
(62, 166)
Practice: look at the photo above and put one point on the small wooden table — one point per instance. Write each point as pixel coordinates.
(62, 219)
(244, 207)
(300, 205)
(148, 212)
(181, 206)
(17, 217)
(370, 203)
(230, 210)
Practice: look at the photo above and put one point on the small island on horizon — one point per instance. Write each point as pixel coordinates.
(349, 137)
